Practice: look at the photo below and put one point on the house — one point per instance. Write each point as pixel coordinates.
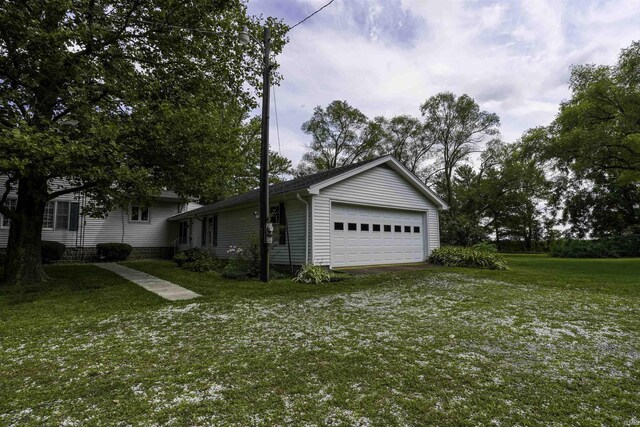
(373, 212)
(144, 227)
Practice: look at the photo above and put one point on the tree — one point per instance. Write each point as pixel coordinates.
(247, 176)
(598, 129)
(594, 145)
(341, 135)
(515, 190)
(457, 127)
(120, 99)
(406, 139)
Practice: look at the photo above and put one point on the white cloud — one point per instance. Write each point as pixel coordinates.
(387, 57)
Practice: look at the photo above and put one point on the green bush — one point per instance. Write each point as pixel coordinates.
(113, 251)
(51, 252)
(613, 247)
(519, 246)
(485, 247)
(456, 256)
(315, 274)
(243, 264)
(198, 260)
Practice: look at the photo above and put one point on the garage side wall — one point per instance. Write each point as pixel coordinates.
(433, 230)
(379, 186)
(238, 227)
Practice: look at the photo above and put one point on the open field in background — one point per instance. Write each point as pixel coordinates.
(552, 341)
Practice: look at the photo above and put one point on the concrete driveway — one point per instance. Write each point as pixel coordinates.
(385, 268)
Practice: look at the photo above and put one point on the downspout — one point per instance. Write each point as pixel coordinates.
(306, 228)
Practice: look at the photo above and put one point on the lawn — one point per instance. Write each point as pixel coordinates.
(550, 342)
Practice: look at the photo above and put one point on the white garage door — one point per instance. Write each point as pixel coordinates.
(368, 236)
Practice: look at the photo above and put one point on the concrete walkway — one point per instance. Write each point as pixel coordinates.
(164, 288)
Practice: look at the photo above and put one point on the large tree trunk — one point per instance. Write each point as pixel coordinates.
(23, 263)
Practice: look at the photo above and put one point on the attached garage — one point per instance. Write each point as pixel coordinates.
(364, 235)
(369, 213)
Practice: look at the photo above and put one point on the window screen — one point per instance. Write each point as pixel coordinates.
(11, 204)
(47, 221)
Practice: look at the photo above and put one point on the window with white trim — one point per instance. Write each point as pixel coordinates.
(139, 213)
(62, 215)
(11, 204)
(67, 215)
(49, 216)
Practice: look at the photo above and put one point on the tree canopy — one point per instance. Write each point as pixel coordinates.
(457, 127)
(594, 145)
(120, 99)
(340, 136)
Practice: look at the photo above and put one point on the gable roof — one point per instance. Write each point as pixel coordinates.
(312, 184)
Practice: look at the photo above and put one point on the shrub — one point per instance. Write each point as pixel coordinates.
(310, 273)
(51, 252)
(485, 247)
(242, 263)
(456, 256)
(113, 251)
(198, 260)
(613, 247)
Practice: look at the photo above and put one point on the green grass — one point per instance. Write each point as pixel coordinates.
(552, 341)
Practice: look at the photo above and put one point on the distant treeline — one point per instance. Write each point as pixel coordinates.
(610, 247)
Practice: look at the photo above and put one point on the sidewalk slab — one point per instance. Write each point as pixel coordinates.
(158, 286)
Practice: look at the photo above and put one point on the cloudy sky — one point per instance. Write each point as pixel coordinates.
(386, 57)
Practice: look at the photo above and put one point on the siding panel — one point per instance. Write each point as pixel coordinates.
(379, 186)
(116, 227)
(238, 227)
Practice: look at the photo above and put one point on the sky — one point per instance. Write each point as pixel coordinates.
(386, 57)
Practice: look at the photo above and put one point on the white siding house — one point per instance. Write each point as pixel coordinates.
(374, 212)
(144, 227)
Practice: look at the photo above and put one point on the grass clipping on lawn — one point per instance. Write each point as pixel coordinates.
(426, 348)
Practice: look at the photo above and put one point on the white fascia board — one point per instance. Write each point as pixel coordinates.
(395, 165)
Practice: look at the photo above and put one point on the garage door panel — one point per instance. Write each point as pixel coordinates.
(362, 247)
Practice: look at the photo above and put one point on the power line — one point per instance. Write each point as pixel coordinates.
(291, 28)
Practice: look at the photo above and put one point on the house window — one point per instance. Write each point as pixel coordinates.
(416, 229)
(338, 225)
(203, 232)
(183, 232)
(352, 226)
(67, 215)
(407, 229)
(376, 227)
(10, 204)
(387, 228)
(49, 215)
(397, 229)
(364, 227)
(279, 220)
(139, 214)
(62, 215)
(212, 230)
